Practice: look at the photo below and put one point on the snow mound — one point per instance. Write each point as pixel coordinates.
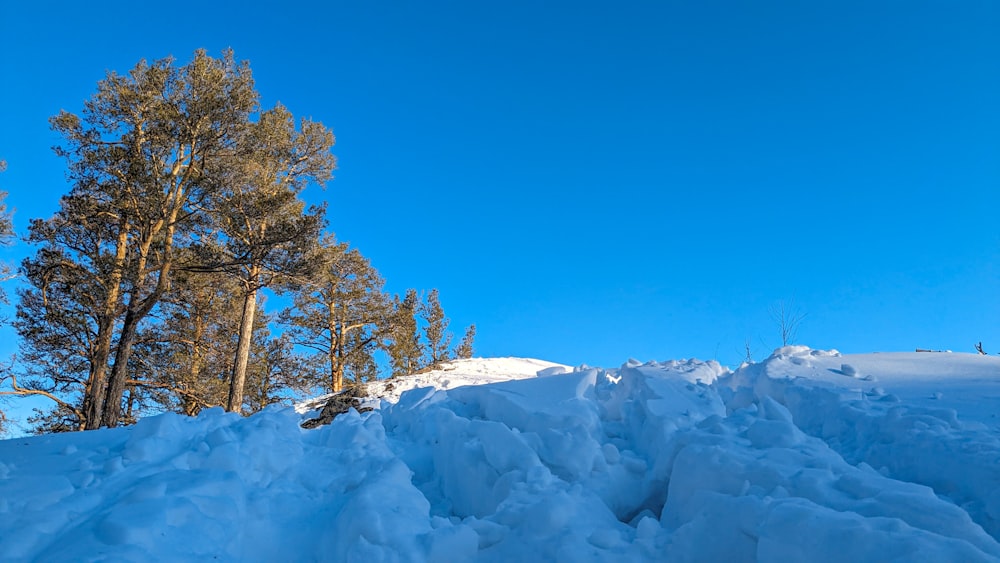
(506, 459)
(926, 418)
(451, 374)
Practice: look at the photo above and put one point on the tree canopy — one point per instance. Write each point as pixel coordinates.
(184, 203)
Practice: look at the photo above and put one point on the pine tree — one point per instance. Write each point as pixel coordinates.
(268, 233)
(200, 316)
(436, 334)
(147, 150)
(464, 350)
(275, 373)
(360, 365)
(67, 313)
(404, 347)
(157, 160)
(341, 313)
(58, 319)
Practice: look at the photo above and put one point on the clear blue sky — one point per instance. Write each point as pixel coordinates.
(587, 181)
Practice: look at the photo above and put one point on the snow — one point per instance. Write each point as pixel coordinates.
(454, 374)
(809, 455)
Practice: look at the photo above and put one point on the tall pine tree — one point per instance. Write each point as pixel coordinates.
(342, 314)
(267, 231)
(151, 157)
(464, 349)
(436, 334)
(405, 350)
(142, 157)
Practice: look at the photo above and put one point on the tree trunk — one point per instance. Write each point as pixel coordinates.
(336, 370)
(191, 407)
(336, 375)
(97, 382)
(188, 382)
(130, 404)
(119, 373)
(137, 310)
(239, 377)
(337, 363)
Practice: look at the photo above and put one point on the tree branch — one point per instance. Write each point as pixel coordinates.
(25, 392)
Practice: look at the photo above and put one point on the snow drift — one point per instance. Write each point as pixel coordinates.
(808, 456)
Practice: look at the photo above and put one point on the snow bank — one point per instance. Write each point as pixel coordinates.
(795, 458)
(927, 418)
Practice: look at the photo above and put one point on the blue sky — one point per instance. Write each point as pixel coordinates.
(589, 182)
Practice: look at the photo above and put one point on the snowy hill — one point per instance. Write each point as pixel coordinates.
(807, 456)
(458, 373)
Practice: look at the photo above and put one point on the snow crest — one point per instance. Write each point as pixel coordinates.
(809, 455)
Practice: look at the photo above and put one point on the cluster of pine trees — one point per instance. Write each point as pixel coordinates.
(146, 290)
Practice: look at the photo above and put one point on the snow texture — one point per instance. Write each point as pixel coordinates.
(807, 456)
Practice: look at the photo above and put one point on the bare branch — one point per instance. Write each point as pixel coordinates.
(788, 317)
(25, 392)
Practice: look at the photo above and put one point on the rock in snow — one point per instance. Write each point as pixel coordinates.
(511, 459)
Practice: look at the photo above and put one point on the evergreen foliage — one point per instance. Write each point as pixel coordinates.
(464, 349)
(147, 150)
(199, 319)
(342, 314)
(404, 347)
(267, 232)
(144, 291)
(435, 330)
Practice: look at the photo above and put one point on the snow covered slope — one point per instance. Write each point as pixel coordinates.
(807, 456)
(474, 371)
